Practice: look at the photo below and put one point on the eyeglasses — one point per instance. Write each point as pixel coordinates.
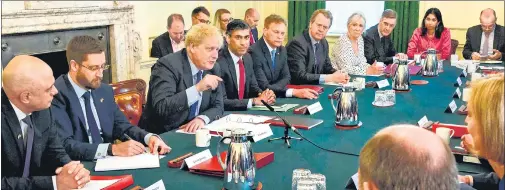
(229, 20)
(204, 21)
(96, 67)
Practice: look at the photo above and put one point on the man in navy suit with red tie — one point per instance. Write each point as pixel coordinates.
(236, 70)
(87, 114)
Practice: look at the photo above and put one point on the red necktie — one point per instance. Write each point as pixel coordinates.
(251, 38)
(241, 81)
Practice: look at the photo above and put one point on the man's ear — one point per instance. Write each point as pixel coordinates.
(73, 65)
(369, 186)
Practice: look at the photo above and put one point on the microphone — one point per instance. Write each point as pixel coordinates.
(299, 134)
(279, 116)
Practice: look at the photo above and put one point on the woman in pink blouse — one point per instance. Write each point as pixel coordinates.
(431, 34)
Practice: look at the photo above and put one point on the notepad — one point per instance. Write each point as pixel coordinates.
(98, 184)
(145, 160)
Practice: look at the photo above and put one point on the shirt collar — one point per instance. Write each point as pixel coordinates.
(378, 30)
(268, 46)
(20, 114)
(172, 41)
(312, 41)
(234, 57)
(79, 91)
(194, 70)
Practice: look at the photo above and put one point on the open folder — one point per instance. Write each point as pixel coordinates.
(145, 160)
(212, 167)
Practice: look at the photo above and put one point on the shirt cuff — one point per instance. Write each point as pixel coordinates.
(394, 58)
(249, 104)
(205, 118)
(101, 151)
(470, 178)
(289, 93)
(147, 137)
(321, 79)
(55, 187)
(193, 95)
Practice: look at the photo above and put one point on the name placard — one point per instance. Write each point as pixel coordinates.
(262, 131)
(458, 82)
(314, 108)
(422, 122)
(196, 159)
(457, 93)
(382, 83)
(159, 185)
(464, 73)
(451, 108)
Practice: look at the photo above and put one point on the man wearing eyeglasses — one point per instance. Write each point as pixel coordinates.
(172, 40)
(487, 40)
(88, 118)
(308, 53)
(200, 15)
(252, 17)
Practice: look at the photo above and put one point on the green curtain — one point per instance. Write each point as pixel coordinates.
(299, 13)
(407, 21)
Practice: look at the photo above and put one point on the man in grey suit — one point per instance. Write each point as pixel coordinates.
(32, 154)
(308, 53)
(486, 39)
(184, 89)
(271, 61)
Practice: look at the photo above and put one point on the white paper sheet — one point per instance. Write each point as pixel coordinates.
(145, 160)
(98, 184)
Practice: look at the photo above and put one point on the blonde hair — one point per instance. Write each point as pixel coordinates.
(487, 108)
(217, 17)
(199, 32)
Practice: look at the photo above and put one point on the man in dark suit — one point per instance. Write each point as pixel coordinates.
(200, 15)
(308, 53)
(170, 41)
(252, 17)
(32, 154)
(271, 61)
(87, 114)
(183, 90)
(237, 71)
(378, 44)
(486, 39)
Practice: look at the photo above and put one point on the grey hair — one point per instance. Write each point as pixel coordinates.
(356, 14)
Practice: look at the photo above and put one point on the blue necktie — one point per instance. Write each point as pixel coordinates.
(29, 145)
(193, 108)
(273, 58)
(93, 127)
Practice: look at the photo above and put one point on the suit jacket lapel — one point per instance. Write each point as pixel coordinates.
(188, 76)
(267, 55)
(14, 127)
(479, 39)
(496, 39)
(76, 107)
(310, 65)
(231, 68)
(99, 107)
(277, 65)
(169, 45)
(205, 95)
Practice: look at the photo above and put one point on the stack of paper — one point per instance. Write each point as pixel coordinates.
(232, 121)
(145, 160)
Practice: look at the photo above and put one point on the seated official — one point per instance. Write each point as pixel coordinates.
(308, 57)
(89, 118)
(200, 15)
(32, 154)
(241, 88)
(485, 122)
(183, 90)
(170, 41)
(431, 34)
(379, 46)
(348, 54)
(406, 157)
(221, 19)
(487, 39)
(271, 61)
(252, 18)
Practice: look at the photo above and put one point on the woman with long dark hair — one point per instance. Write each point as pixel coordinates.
(431, 34)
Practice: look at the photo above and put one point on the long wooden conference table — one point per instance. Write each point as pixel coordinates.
(430, 100)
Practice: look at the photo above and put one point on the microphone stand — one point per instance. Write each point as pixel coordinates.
(286, 136)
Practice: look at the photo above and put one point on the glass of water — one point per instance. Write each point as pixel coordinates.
(380, 98)
(440, 66)
(320, 181)
(390, 96)
(297, 175)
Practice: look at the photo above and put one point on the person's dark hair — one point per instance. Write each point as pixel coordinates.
(236, 24)
(440, 27)
(325, 13)
(200, 9)
(80, 46)
(389, 13)
(173, 17)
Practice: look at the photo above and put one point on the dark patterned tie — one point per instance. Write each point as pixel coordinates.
(28, 145)
(273, 58)
(93, 127)
(192, 109)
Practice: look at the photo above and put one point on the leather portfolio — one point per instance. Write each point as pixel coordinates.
(123, 181)
(459, 130)
(318, 89)
(297, 122)
(212, 167)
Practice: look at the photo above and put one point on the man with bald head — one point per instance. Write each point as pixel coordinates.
(406, 157)
(252, 17)
(486, 39)
(32, 154)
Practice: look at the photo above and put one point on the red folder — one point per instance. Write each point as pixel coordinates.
(459, 130)
(124, 181)
(318, 89)
(212, 167)
(296, 121)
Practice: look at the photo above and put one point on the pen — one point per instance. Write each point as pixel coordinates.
(129, 138)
